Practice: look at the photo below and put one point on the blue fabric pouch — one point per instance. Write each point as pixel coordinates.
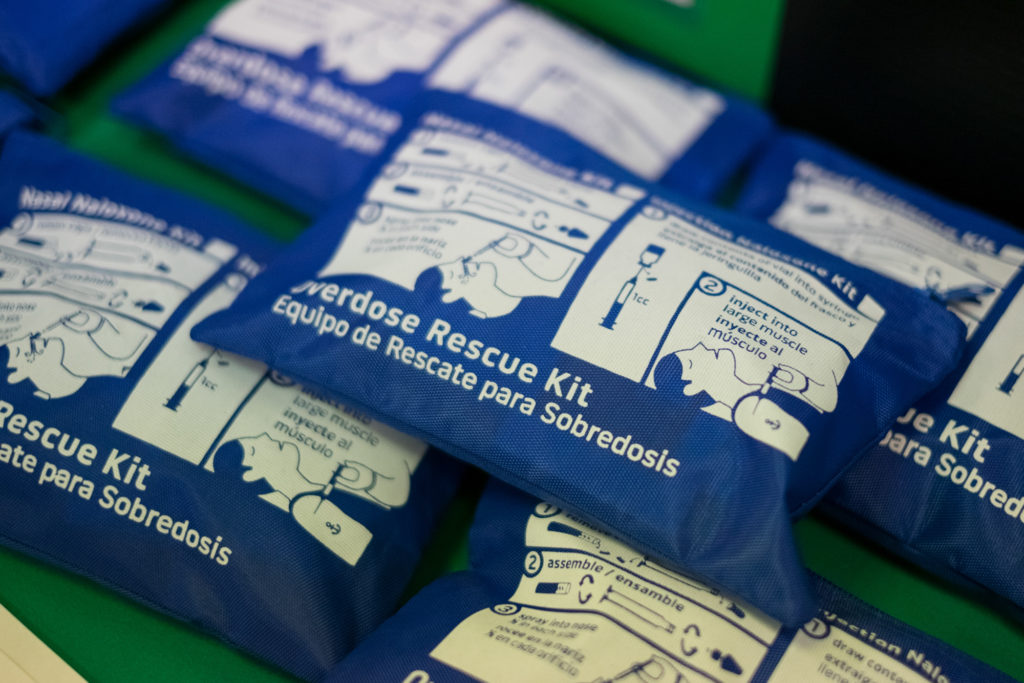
(686, 378)
(14, 113)
(44, 43)
(191, 480)
(296, 98)
(945, 486)
(549, 598)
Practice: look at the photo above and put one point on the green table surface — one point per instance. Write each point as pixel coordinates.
(108, 638)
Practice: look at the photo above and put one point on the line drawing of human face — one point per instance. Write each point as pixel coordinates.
(495, 278)
(40, 360)
(476, 282)
(264, 457)
(696, 365)
(712, 371)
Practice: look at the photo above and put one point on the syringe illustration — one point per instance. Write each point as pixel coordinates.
(174, 402)
(648, 258)
(1010, 381)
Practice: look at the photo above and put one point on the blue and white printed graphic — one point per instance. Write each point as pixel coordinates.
(870, 227)
(957, 453)
(91, 292)
(330, 82)
(501, 291)
(706, 335)
(550, 598)
(122, 438)
(988, 388)
(530, 230)
(366, 42)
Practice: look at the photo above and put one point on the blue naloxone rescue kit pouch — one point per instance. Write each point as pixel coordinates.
(296, 97)
(550, 598)
(45, 43)
(945, 487)
(186, 478)
(685, 378)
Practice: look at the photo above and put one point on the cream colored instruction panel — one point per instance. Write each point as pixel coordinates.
(25, 659)
(821, 653)
(525, 60)
(989, 387)
(491, 222)
(685, 311)
(209, 408)
(589, 608)
(871, 228)
(82, 296)
(365, 40)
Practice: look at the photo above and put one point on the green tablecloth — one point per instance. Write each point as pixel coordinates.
(108, 638)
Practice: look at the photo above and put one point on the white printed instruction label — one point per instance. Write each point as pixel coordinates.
(83, 296)
(366, 40)
(588, 608)
(872, 229)
(821, 653)
(526, 61)
(767, 342)
(231, 417)
(490, 226)
(991, 387)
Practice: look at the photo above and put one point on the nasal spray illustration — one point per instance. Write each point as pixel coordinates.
(650, 256)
